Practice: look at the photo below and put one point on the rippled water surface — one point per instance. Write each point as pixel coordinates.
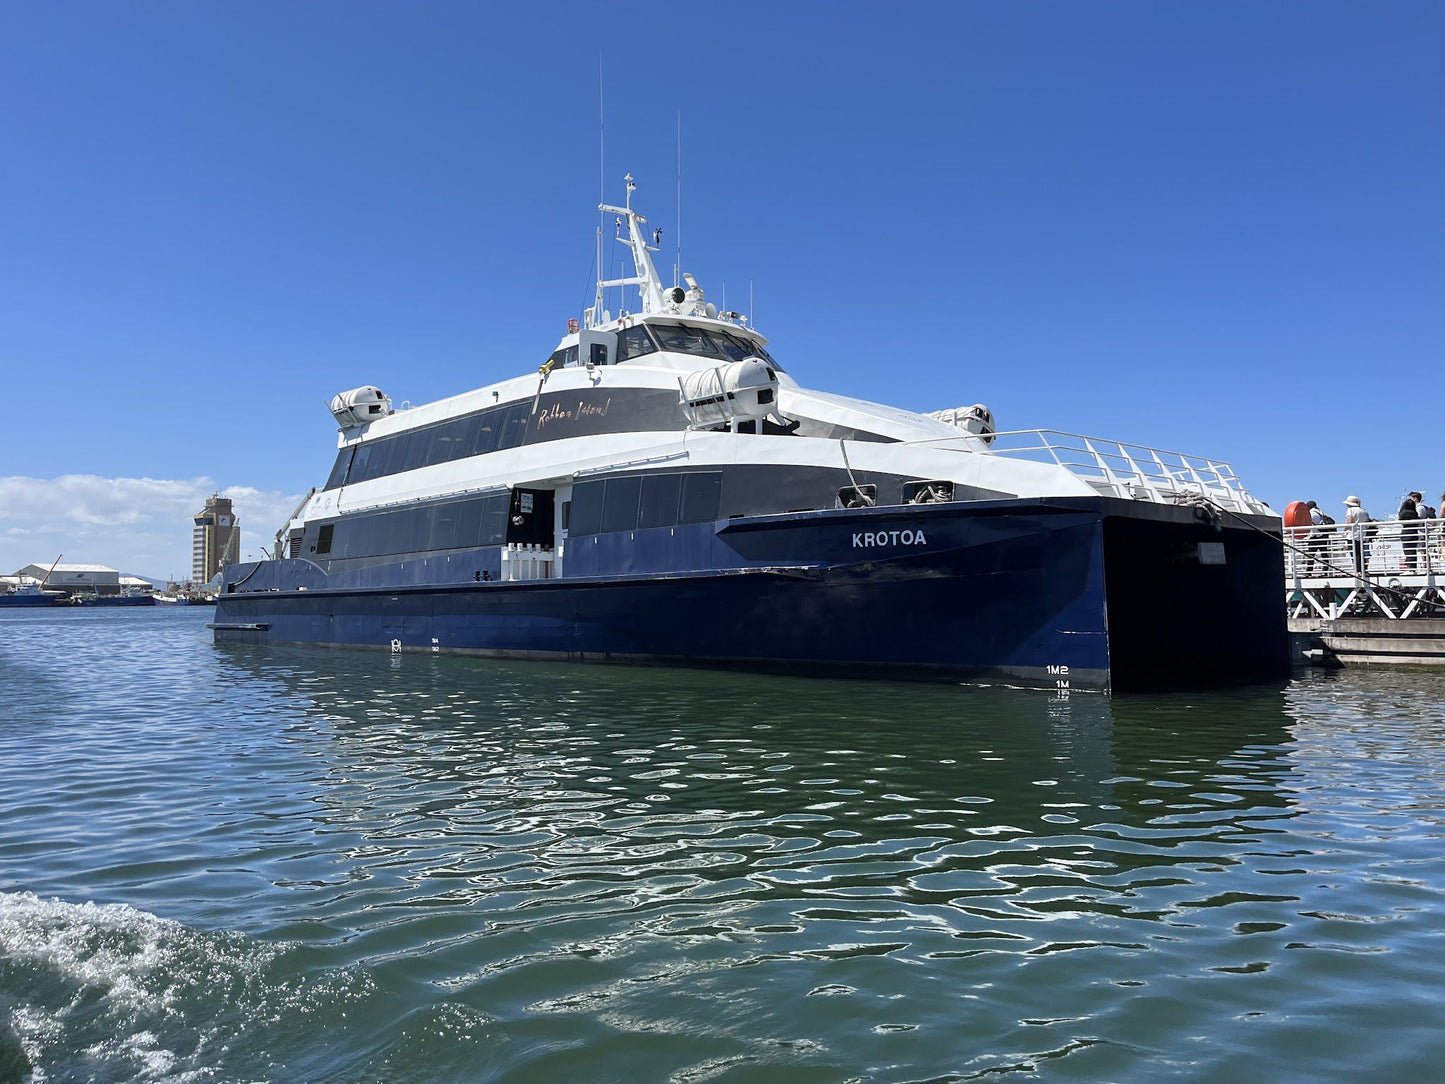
(231, 863)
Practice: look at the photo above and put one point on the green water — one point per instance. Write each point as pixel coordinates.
(228, 863)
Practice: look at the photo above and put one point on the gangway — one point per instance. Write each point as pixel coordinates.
(1393, 570)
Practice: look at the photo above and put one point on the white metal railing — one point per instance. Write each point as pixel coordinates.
(1381, 569)
(1377, 550)
(521, 562)
(1115, 469)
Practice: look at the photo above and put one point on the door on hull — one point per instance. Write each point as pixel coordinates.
(531, 520)
(563, 499)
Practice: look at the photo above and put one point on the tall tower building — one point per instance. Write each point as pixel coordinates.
(216, 540)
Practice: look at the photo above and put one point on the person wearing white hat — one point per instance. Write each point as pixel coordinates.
(1355, 514)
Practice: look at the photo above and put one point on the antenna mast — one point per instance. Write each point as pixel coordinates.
(601, 181)
(677, 266)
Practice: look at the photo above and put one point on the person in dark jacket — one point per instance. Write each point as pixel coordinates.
(1409, 515)
(1429, 534)
(1318, 541)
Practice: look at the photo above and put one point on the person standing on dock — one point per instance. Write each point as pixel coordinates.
(1356, 515)
(1318, 541)
(1435, 530)
(1428, 533)
(1409, 516)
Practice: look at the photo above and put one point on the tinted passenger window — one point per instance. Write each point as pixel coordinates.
(700, 495)
(469, 524)
(619, 507)
(487, 432)
(338, 472)
(444, 526)
(361, 463)
(586, 508)
(659, 500)
(380, 463)
(514, 424)
(494, 519)
(449, 442)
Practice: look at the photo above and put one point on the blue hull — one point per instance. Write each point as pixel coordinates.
(28, 601)
(1006, 590)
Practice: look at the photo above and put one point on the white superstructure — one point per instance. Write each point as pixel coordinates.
(679, 382)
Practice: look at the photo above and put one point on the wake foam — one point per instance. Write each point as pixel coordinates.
(107, 992)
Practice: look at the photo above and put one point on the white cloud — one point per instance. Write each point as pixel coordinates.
(139, 525)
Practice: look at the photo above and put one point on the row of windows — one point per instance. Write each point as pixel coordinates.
(506, 427)
(481, 521)
(476, 434)
(710, 342)
(659, 500)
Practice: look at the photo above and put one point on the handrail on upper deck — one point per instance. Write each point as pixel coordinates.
(1115, 468)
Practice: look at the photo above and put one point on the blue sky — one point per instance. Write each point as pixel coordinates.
(1216, 228)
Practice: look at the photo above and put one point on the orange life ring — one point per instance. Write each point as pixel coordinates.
(1297, 514)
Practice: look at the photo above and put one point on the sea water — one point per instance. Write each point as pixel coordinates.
(229, 863)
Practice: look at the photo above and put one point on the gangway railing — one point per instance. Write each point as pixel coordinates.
(1392, 569)
(1115, 469)
(528, 562)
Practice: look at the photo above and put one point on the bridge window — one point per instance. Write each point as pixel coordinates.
(710, 342)
(634, 343)
(686, 340)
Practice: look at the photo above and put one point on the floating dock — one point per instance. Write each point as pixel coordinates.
(1370, 594)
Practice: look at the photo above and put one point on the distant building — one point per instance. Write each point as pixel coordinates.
(216, 540)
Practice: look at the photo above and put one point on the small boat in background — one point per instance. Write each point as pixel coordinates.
(33, 593)
(30, 594)
(126, 598)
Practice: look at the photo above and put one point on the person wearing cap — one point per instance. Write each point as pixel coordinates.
(1409, 516)
(1356, 515)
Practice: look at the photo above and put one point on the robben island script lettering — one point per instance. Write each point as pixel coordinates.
(888, 538)
(557, 413)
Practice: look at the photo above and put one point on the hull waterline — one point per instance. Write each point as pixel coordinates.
(1056, 593)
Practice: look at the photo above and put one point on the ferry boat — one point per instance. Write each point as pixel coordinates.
(663, 490)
